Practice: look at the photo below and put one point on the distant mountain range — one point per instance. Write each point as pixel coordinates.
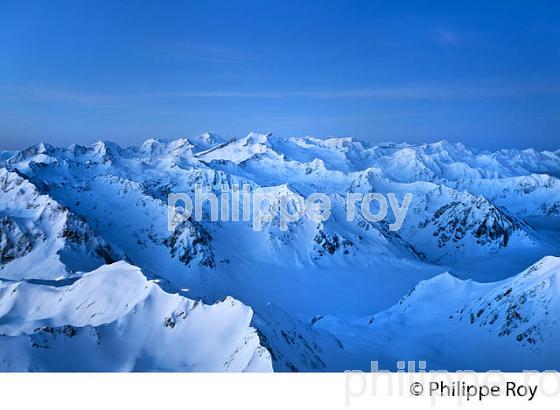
(92, 279)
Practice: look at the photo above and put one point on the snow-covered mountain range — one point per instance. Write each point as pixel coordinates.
(92, 279)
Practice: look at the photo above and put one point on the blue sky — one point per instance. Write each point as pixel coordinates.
(483, 73)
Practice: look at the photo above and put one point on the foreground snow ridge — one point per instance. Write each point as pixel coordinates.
(114, 319)
(92, 279)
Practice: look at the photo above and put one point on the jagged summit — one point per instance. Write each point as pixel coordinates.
(404, 162)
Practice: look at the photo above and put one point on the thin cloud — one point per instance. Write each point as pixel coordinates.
(59, 95)
(208, 52)
(405, 92)
(446, 38)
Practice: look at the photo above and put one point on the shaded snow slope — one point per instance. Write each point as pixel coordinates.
(464, 325)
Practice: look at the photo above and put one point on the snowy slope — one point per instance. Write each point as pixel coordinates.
(114, 319)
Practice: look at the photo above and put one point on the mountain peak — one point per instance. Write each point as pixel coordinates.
(260, 138)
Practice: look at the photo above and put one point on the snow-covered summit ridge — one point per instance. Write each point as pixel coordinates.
(464, 324)
(114, 319)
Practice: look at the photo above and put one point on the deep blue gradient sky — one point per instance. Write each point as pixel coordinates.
(486, 73)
